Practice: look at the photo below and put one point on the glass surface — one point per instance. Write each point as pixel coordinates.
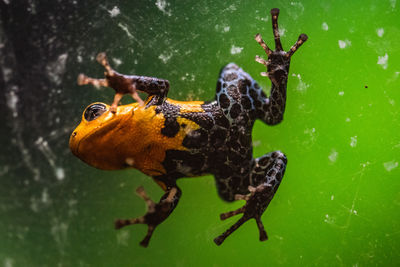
(339, 200)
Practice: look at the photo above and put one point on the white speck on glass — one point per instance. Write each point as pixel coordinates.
(60, 174)
(117, 61)
(114, 12)
(383, 61)
(393, 3)
(353, 141)
(8, 262)
(390, 165)
(123, 238)
(333, 155)
(302, 86)
(380, 32)
(165, 57)
(236, 50)
(162, 5)
(282, 31)
(344, 44)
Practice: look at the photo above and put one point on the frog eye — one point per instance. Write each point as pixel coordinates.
(94, 111)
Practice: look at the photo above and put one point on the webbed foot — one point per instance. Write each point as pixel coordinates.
(256, 203)
(278, 60)
(156, 212)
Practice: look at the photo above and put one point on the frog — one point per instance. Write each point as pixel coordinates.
(168, 139)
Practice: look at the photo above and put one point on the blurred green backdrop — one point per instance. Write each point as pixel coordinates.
(339, 201)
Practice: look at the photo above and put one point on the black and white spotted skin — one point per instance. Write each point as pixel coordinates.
(222, 144)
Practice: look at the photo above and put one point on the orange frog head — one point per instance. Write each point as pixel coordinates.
(112, 141)
(130, 137)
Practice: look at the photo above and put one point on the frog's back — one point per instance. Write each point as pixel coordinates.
(221, 142)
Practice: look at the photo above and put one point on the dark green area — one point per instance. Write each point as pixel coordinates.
(339, 201)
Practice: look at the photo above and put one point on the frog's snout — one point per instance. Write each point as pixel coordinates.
(74, 143)
(91, 113)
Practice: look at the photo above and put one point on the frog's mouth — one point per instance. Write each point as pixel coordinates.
(91, 147)
(73, 143)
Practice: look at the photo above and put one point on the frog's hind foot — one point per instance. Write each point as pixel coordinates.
(151, 206)
(156, 212)
(278, 60)
(267, 175)
(251, 210)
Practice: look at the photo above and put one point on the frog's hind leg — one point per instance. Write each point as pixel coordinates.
(264, 181)
(156, 212)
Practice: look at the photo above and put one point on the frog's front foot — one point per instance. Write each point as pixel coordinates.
(278, 60)
(156, 212)
(256, 203)
(122, 84)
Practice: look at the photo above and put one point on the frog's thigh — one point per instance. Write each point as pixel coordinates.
(269, 169)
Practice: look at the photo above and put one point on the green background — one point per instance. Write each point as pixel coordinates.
(338, 204)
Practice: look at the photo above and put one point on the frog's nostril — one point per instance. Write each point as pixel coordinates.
(74, 134)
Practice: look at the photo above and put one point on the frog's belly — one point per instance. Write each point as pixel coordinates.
(187, 163)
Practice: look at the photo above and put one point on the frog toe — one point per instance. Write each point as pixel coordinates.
(302, 38)
(263, 233)
(221, 238)
(102, 59)
(226, 215)
(84, 80)
(150, 229)
(119, 223)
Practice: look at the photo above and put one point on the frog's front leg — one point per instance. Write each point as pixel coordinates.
(156, 212)
(126, 84)
(264, 179)
(277, 65)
